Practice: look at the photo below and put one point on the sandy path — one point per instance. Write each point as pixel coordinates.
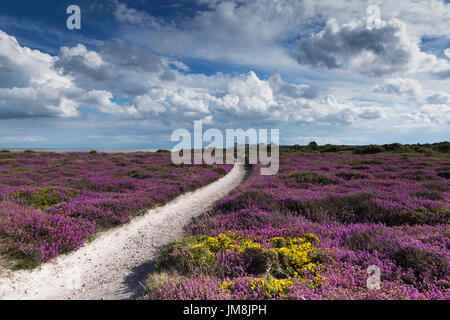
(112, 265)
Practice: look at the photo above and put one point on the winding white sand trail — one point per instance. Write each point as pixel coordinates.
(112, 266)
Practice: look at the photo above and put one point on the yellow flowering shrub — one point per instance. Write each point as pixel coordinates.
(282, 260)
(271, 286)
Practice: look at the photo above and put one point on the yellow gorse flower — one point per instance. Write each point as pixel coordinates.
(295, 255)
(271, 286)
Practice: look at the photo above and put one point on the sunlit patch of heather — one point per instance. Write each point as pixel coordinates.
(384, 210)
(51, 202)
(40, 236)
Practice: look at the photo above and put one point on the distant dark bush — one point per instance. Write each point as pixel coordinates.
(93, 152)
(393, 147)
(29, 151)
(427, 149)
(370, 149)
(163, 151)
(330, 148)
(443, 147)
(4, 150)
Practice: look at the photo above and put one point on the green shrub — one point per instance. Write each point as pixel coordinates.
(186, 254)
(311, 177)
(220, 171)
(370, 149)
(7, 160)
(42, 198)
(429, 216)
(393, 147)
(139, 174)
(282, 257)
(348, 175)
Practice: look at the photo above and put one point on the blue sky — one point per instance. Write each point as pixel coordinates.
(327, 71)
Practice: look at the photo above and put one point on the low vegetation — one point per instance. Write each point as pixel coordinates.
(313, 230)
(51, 203)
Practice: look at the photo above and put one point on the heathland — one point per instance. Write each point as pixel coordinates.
(336, 222)
(52, 203)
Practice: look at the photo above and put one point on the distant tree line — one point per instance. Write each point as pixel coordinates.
(427, 148)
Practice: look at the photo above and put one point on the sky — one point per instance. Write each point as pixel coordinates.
(339, 72)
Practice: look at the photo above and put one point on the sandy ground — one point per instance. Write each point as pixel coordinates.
(114, 264)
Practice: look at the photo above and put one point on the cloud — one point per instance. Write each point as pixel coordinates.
(149, 86)
(371, 51)
(22, 67)
(385, 50)
(126, 70)
(29, 86)
(35, 84)
(130, 15)
(226, 30)
(291, 90)
(447, 52)
(22, 139)
(143, 85)
(438, 114)
(262, 33)
(101, 100)
(35, 102)
(112, 62)
(247, 99)
(400, 86)
(130, 56)
(439, 98)
(443, 74)
(80, 60)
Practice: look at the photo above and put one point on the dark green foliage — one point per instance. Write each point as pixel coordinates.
(427, 149)
(311, 177)
(370, 149)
